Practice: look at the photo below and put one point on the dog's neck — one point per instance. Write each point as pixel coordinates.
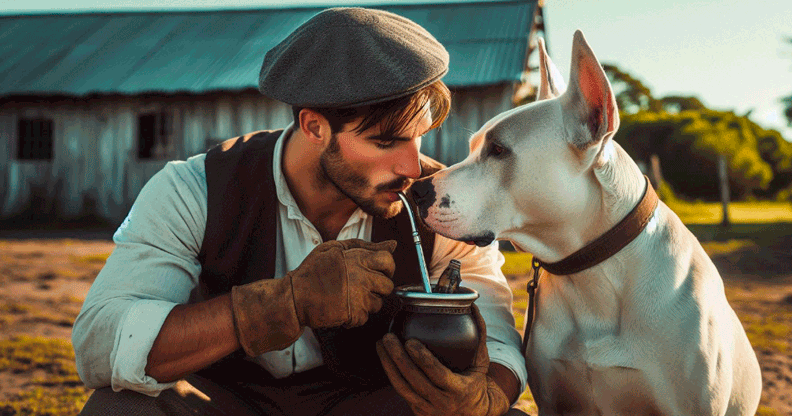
(612, 189)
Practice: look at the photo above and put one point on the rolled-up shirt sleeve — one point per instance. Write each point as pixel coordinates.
(153, 267)
(480, 269)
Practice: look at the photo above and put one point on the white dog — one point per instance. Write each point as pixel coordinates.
(647, 330)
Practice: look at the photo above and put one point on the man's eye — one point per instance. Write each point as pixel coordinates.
(385, 144)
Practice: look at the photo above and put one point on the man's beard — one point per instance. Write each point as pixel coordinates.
(335, 170)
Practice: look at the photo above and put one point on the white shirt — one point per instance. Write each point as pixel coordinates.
(155, 266)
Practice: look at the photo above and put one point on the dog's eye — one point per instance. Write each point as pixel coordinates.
(496, 150)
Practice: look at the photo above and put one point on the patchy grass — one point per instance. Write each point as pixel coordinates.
(42, 401)
(739, 212)
(25, 354)
(15, 308)
(769, 332)
(98, 258)
(59, 392)
(723, 248)
(766, 411)
(516, 263)
(43, 318)
(526, 403)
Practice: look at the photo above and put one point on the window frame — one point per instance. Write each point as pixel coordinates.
(17, 141)
(169, 131)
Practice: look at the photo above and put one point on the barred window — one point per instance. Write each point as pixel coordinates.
(34, 139)
(155, 131)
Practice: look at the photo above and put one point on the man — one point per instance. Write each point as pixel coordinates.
(254, 279)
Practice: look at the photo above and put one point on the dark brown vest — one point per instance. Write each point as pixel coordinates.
(238, 248)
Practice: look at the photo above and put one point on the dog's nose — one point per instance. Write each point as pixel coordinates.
(423, 193)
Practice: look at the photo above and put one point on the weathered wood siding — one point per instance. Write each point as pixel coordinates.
(95, 169)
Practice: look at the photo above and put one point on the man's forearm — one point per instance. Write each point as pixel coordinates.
(192, 337)
(506, 380)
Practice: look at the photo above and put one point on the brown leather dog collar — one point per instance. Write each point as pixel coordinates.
(595, 252)
(611, 242)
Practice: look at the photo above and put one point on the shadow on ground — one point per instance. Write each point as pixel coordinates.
(767, 254)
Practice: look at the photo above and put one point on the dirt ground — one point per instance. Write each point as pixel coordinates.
(44, 281)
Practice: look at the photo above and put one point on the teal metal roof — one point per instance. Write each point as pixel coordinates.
(200, 51)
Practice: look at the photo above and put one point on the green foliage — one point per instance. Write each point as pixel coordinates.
(631, 94)
(777, 152)
(677, 103)
(689, 144)
(689, 138)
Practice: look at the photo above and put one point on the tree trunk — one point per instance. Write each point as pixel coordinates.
(723, 174)
(655, 174)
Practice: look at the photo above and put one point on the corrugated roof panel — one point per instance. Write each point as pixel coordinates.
(35, 48)
(479, 63)
(168, 52)
(472, 21)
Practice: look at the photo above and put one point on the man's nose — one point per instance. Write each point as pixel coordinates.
(409, 164)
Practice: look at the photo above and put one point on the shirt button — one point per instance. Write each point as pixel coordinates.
(316, 242)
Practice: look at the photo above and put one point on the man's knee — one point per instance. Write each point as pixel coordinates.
(106, 402)
(187, 397)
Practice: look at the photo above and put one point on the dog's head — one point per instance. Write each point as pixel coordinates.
(529, 167)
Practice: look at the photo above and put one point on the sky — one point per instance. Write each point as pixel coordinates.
(730, 54)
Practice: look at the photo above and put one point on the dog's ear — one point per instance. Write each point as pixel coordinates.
(552, 84)
(589, 100)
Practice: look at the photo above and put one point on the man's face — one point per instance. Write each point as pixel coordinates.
(369, 168)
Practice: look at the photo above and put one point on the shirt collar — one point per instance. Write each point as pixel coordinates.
(285, 196)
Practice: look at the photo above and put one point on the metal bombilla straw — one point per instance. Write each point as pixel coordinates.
(417, 239)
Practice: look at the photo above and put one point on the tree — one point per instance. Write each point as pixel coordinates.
(689, 144)
(631, 94)
(788, 100)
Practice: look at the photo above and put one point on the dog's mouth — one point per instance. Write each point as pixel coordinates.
(481, 240)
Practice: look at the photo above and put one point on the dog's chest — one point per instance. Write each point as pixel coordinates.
(576, 387)
(589, 377)
(582, 358)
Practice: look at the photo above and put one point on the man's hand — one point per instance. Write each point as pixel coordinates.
(342, 282)
(338, 283)
(432, 389)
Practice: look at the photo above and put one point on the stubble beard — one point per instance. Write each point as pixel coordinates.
(336, 171)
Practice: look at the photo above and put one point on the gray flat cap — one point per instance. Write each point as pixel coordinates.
(348, 57)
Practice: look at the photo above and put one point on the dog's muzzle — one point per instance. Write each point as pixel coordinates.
(423, 193)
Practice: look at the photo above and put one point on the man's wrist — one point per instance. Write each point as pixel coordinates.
(264, 316)
(505, 380)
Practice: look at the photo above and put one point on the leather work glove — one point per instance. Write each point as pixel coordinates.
(432, 388)
(338, 284)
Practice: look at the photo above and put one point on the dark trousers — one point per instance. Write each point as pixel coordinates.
(313, 392)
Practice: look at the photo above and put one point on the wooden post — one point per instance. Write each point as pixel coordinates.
(723, 174)
(656, 176)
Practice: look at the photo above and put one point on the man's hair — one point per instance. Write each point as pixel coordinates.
(393, 114)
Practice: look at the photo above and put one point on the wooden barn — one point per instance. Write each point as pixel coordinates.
(93, 104)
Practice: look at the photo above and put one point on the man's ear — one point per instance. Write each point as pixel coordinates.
(314, 126)
(589, 101)
(551, 83)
